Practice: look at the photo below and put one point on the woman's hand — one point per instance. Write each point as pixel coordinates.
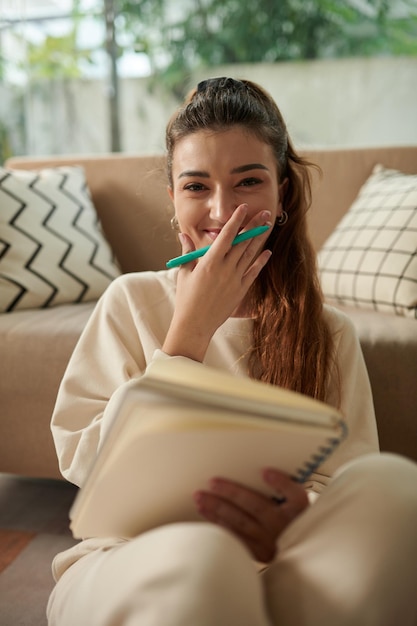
(210, 290)
(254, 518)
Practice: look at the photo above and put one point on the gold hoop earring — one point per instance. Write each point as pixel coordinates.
(174, 223)
(282, 219)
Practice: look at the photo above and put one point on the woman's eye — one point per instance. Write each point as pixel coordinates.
(194, 187)
(248, 182)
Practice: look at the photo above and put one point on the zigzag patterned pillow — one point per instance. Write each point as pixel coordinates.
(370, 259)
(52, 249)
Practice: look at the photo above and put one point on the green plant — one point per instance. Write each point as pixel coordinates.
(5, 145)
(217, 32)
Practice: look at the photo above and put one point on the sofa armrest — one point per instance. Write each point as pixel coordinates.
(389, 345)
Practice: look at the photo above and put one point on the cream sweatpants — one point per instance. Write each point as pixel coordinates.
(349, 559)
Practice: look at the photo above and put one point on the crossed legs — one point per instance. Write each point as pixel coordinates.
(349, 560)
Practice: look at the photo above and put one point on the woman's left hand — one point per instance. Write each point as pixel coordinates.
(254, 518)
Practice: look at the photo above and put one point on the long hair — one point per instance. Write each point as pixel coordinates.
(292, 344)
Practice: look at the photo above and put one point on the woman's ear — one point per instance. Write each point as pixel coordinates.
(170, 193)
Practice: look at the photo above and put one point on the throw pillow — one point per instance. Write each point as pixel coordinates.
(52, 249)
(370, 259)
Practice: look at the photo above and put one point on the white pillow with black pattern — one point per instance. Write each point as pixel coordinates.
(370, 259)
(52, 249)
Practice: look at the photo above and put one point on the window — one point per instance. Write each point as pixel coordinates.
(89, 76)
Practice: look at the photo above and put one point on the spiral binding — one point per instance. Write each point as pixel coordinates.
(319, 457)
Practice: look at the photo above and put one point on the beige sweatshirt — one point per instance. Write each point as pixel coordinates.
(126, 332)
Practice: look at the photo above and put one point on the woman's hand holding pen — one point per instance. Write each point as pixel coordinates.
(255, 519)
(210, 290)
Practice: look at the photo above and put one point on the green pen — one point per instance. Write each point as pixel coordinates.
(196, 254)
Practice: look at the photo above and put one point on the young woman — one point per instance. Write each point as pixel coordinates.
(339, 550)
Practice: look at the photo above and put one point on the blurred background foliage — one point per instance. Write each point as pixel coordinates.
(175, 38)
(207, 33)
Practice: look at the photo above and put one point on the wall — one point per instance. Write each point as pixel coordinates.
(350, 102)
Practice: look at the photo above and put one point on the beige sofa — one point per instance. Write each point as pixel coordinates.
(129, 193)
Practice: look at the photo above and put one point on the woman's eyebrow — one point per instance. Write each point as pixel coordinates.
(247, 167)
(236, 170)
(197, 173)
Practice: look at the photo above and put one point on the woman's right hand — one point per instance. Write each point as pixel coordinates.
(210, 290)
(255, 519)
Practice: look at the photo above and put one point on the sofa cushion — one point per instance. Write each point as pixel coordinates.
(52, 249)
(35, 347)
(370, 259)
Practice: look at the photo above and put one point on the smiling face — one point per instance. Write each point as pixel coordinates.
(213, 172)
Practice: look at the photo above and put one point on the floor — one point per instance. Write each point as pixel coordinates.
(33, 528)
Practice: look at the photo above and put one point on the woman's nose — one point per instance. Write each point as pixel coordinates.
(222, 206)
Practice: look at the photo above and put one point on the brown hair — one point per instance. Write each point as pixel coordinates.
(292, 344)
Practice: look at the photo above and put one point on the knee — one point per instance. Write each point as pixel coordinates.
(198, 555)
(385, 466)
(207, 574)
(206, 549)
(388, 478)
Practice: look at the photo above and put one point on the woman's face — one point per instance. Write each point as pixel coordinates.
(213, 172)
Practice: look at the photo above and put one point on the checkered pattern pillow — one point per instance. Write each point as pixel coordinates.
(370, 259)
(52, 249)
